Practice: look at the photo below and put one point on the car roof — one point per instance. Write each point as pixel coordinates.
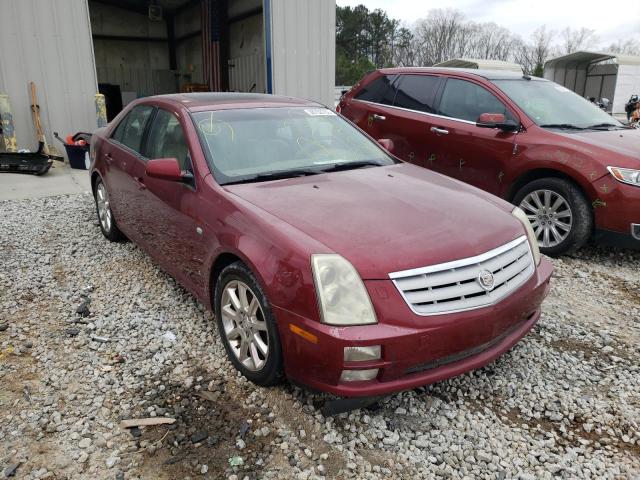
(486, 74)
(204, 101)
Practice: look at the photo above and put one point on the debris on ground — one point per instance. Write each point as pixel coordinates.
(146, 422)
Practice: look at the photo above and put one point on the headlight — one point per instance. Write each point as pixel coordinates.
(343, 298)
(533, 240)
(625, 175)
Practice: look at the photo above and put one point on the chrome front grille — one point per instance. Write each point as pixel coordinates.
(458, 286)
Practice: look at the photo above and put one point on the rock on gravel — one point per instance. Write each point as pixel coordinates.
(564, 403)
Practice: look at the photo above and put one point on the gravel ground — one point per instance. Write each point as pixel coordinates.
(565, 402)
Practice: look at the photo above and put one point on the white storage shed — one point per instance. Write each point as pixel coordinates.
(126, 49)
(598, 75)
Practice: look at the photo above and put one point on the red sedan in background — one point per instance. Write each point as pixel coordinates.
(324, 258)
(573, 169)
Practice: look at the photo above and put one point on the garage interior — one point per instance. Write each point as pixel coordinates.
(150, 47)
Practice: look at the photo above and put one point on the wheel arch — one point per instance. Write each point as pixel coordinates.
(221, 261)
(539, 173)
(94, 177)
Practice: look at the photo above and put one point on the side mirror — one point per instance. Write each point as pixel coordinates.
(496, 120)
(165, 169)
(387, 144)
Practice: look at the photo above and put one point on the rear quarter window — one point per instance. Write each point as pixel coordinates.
(380, 90)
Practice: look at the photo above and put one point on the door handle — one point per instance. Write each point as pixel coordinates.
(378, 118)
(108, 158)
(140, 183)
(440, 131)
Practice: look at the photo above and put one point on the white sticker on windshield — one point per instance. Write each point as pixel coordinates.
(560, 88)
(318, 112)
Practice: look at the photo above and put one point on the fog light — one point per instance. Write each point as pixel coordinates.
(358, 375)
(361, 354)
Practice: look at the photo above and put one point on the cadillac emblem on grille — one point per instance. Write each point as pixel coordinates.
(486, 280)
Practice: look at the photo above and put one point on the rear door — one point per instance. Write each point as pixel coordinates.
(122, 155)
(176, 239)
(460, 149)
(413, 105)
(370, 108)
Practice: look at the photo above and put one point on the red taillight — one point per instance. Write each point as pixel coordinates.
(338, 108)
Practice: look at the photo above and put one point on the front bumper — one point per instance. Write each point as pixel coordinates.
(630, 240)
(416, 350)
(617, 211)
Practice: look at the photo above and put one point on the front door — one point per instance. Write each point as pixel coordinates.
(176, 235)
(460, 149)
(370, 108)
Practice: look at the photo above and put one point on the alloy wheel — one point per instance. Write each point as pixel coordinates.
(104, 209)
(244, 325)
(550, 216)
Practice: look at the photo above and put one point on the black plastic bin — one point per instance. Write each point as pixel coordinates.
(78, 156)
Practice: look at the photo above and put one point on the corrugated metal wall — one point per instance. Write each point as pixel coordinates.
(303, 39)
(50, 44)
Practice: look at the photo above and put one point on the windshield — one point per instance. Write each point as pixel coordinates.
(256, 144)
(552, 105)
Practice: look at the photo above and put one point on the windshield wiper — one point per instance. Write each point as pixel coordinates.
(603, 125)
(336, 167)
(264, 177)
(568, 126)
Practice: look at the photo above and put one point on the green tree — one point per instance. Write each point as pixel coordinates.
(365, 40)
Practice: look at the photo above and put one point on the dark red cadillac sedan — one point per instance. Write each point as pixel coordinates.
(324, 258)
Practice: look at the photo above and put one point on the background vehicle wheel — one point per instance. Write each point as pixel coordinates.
(559, 212)
(105, 216)
(247, 327)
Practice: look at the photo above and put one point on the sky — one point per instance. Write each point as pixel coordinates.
(612, 20)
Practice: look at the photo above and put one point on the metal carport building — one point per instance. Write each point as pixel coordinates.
(597, 74)
(126, 49)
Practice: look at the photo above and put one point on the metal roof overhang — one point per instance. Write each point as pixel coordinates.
(588, 58)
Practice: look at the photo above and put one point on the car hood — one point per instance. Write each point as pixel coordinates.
(388, 219)
(623, 142)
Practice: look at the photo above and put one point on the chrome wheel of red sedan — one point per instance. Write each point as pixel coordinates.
(244, 325)
(104, 211)
(108, 223)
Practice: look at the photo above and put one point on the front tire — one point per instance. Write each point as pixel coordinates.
(105, 216)
(247, 326)
(560, 214)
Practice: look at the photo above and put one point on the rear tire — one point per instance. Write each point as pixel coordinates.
(247, 326)
(106, 219)
(560, 214)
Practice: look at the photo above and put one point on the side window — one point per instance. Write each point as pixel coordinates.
(467, 101)
(378, 91)
(166, 139)
(119, 132)
(133, 131)
(417, 92)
